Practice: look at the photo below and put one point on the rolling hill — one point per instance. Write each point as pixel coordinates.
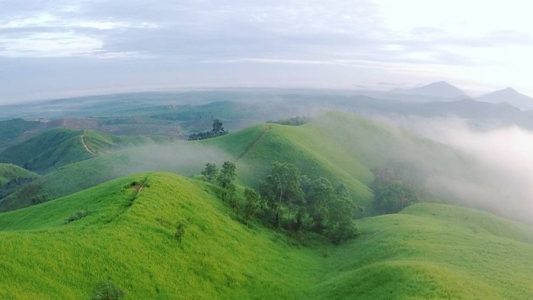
(121, 236)
(58, 147)
(12, 131)
(12, 176)
(339, 146)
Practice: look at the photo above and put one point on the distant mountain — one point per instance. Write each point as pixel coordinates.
(441, 89)
(509, 96)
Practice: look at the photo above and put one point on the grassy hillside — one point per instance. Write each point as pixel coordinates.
(58, 147)
(9, 172)
(13, 130)
(126, 237)
(340, 146)
(66, 180)
(12, 176)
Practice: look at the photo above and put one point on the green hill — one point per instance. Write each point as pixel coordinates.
(123, 233)
(13, 130)
(339, 146)
(59, 147)
(66, 180)
(12, 176)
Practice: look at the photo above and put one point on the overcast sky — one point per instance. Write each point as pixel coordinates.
(60, 48)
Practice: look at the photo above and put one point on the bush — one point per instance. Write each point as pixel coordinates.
(180, 232)
(341, 232)
(76, 216)
(107, 291)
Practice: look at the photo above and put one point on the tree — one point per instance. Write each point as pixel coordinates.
(282, 188)
(341, 209)
(252, 204)
(225, 181)
(320, 192)
(218, 128)
(210, 172)
(227, 174)
(391, 194)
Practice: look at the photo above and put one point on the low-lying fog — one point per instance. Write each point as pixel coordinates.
(498, 173)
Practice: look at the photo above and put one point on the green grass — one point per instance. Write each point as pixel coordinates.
(67, 180)
(12, 177)
(9, 172)
(58, 147)
(127, 238)
(340, 146)
(258, 147)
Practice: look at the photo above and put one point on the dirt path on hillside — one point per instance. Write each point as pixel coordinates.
(254, 142)
(85, 145)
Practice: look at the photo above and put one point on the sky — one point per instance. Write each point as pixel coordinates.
(67, 48)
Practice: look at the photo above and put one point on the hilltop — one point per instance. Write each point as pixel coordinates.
(439, 90)
(510, 96)
(122, 233)
(58, 147)
(12, 176)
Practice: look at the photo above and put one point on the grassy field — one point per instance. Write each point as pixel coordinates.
(123, 233)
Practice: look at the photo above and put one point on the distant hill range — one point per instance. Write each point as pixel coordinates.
(441, 89)
(510, 96)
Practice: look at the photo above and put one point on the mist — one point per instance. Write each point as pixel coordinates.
(493, 168)
(181, 157)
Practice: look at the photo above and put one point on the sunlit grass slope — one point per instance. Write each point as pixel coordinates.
(258, 147)
(127, 238)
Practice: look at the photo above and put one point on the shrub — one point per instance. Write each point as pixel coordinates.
(180, 232)
(76, 216)
(107, 291)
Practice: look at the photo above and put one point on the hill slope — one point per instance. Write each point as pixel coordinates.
(58, 147)
(339, 146)
(12, 176)
(13, 130)
(126, 236)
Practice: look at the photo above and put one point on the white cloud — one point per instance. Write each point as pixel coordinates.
(46, 20)
(49, 45)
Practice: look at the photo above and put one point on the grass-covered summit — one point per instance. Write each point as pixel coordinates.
(122, 235)
(58, 147)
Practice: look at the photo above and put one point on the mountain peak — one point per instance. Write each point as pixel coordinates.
(509, 90)
(510, 96)
(439, 89)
